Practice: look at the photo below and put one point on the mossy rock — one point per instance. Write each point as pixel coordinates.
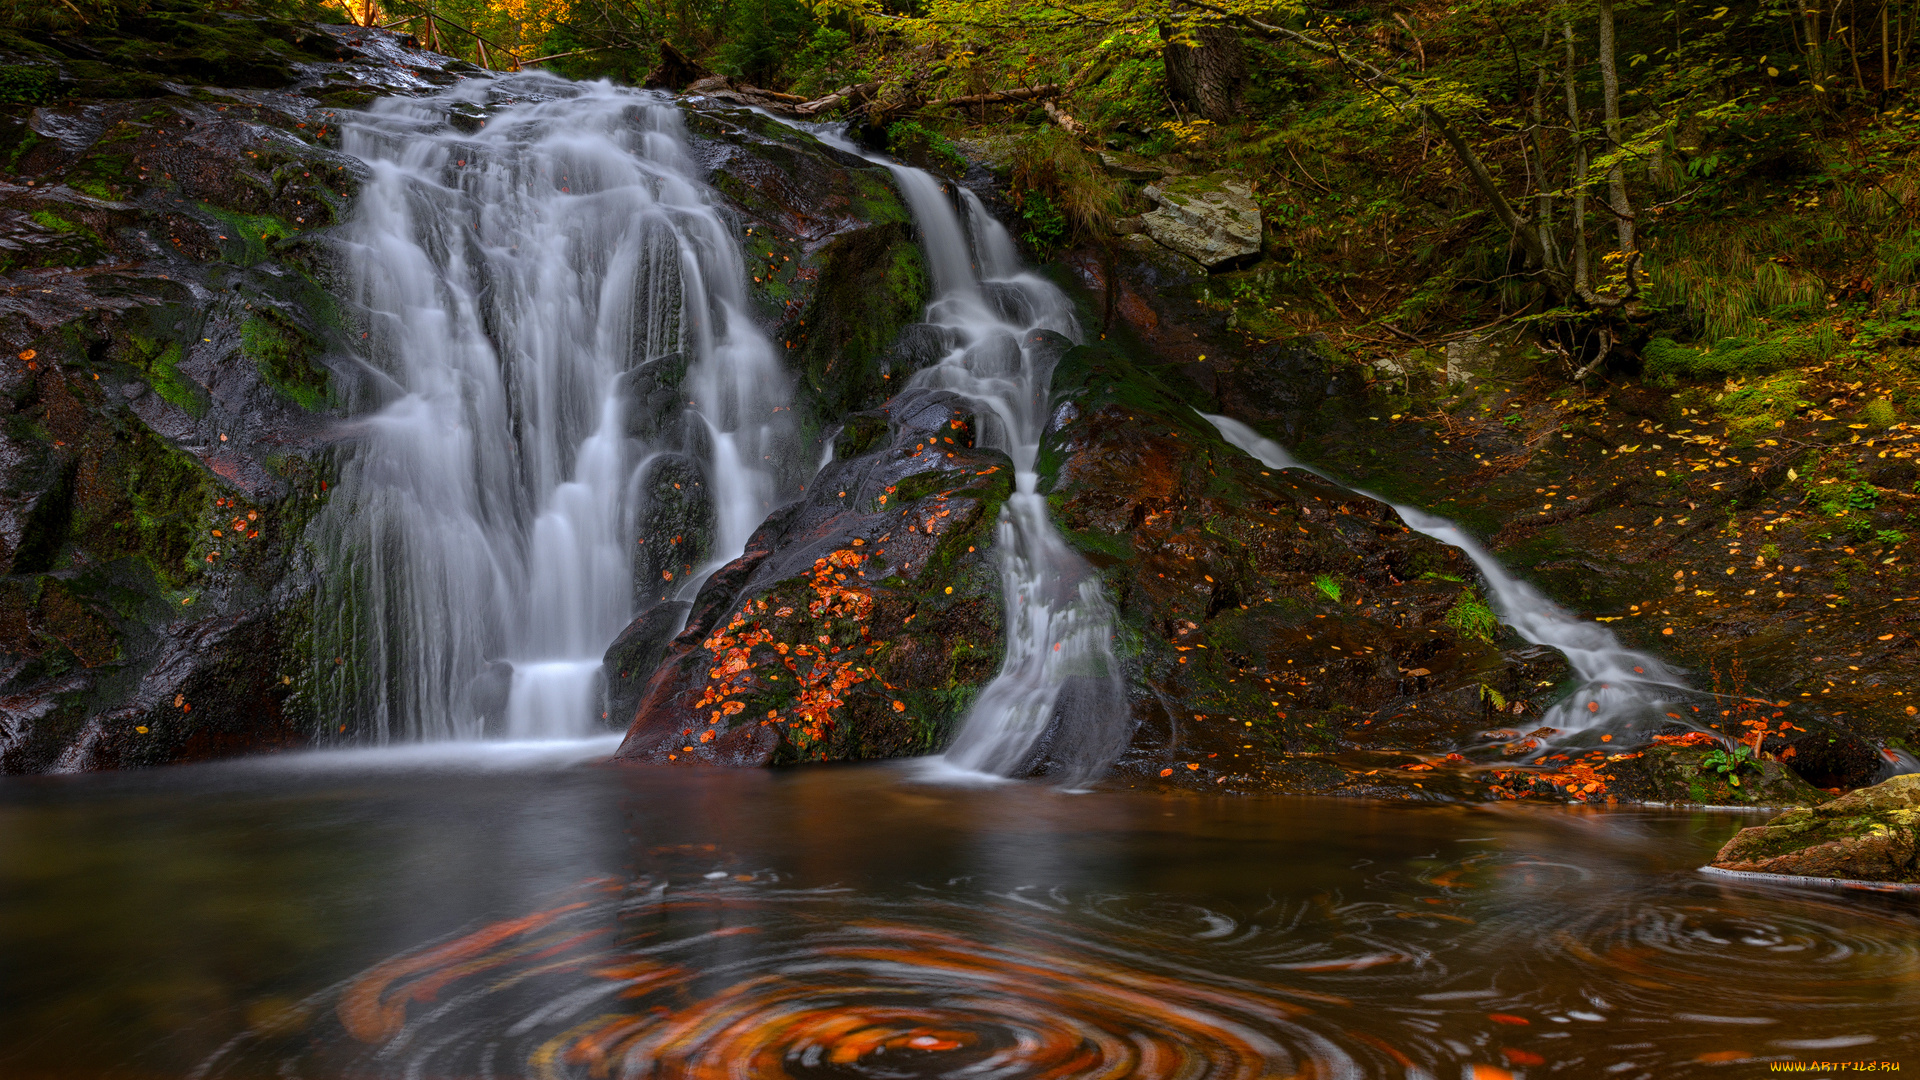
(872, 285)
(1872, 834)
(1669, 362)
(862, 619)
(1680, 775)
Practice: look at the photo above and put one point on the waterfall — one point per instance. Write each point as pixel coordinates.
(1617, 684)
(541, 273)
(1058, 696)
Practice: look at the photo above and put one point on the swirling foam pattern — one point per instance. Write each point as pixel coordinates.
(1485, 968)
(755, 983)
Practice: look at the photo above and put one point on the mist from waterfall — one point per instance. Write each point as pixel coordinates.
(524, 253)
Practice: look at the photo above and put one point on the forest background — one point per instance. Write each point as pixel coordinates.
(1711, 191)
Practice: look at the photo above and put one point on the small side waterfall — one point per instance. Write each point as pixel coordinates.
(1616, 683)
(540, 269)
(1058, 695)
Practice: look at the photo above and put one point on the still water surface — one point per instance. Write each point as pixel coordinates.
(503, 912)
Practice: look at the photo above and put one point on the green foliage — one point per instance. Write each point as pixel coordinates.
(1729, 764)
(1059, 190)
(827, 62)
(1471, 617)
(1043, 226)
(28, 84)
(1326, 584)
(1890, 537)
(1845, 495)
(762, 37)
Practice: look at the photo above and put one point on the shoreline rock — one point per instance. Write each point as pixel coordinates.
(1872, 834)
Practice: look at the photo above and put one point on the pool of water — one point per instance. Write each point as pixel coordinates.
(520, 911)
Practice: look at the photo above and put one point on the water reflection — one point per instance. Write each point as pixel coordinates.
(842, 922)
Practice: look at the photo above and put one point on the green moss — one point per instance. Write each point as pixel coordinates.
(248, 236)
(281, 352)
(159, 362)
(28, 84)
(1879, 413)
(1730, 358)
(873, 282)
(46, 219)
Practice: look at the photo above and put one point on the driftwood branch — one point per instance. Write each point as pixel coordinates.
(844, 94)
(1067, 123)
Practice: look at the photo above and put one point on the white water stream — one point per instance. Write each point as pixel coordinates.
(1058, 695)
(508, 276)
(1617, 684)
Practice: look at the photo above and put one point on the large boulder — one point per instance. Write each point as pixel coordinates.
(861, 620)
(1872, 834)
(1209, 219)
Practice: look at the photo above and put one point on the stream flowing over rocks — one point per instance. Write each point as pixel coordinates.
(357, 395)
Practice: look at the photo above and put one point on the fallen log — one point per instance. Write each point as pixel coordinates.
(995, 96)
(845, 93)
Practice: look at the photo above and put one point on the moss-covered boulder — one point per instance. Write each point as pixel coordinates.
(1872, 834)
(1689, 773)
(861, 620)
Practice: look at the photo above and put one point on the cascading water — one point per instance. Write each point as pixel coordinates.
(1616, 683)
(1058, 695)
(525, 250)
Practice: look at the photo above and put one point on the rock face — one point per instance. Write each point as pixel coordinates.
(175, 370)
(1872, 834)
(1209, 219)
(1278, 632)
(860, 621)
(172, 370)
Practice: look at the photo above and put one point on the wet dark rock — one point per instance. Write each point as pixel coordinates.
(173, 369)
(488, 694)
(675, 526)
(1267, 616)
(1836, 759)
(1872, 834)
(860, 621)
(636, 654)
(1680, 775)
(917, 346)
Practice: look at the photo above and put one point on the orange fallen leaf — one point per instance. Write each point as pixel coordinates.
(1191, 765)
(1716, 1057)
(1166, 772)
(1509, 1018)
(1522, 1057)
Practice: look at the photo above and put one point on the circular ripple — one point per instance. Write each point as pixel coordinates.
(755, 983)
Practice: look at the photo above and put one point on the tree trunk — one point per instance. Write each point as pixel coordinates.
(1210, 76)
(1616, 176)
(1582, 284)
(1542, 197)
